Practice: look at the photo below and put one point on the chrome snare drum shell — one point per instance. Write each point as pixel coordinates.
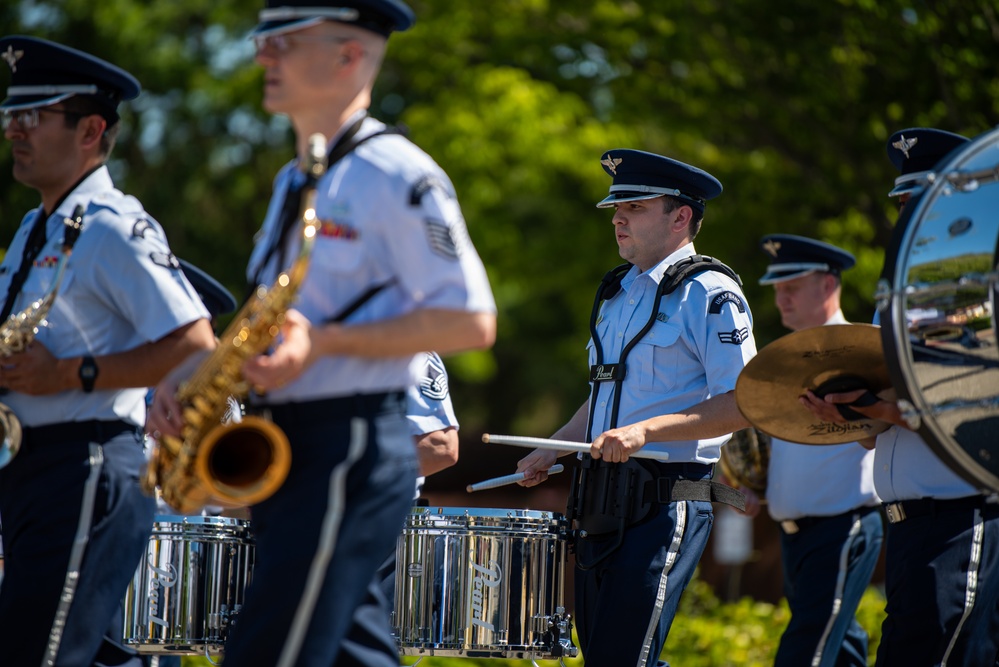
(190, 585)
(938, 305)
(482, 583)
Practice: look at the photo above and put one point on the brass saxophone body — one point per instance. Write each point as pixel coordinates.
(21, 328)
(237, 463)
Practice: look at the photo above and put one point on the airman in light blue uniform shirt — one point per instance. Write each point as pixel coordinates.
(942, 535)
(655, 359)
(821, 495)
(75, 521)
(393, 251)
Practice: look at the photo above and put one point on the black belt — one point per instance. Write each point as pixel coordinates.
(910, 509)
(94, 430)
(682, 470)
(792, 526)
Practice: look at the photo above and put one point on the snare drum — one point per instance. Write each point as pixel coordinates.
(482, 583)
(189, 588)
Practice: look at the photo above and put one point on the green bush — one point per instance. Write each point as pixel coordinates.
(705, 633)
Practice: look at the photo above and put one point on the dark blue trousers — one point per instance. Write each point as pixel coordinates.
(942, 588)
(827, 567)
(626, 603)
(313, 599)
(75, 526)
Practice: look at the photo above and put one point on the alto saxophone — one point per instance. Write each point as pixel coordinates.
(21, 328)
(237, 463)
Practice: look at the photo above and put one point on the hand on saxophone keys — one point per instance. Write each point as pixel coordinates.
(503, 480)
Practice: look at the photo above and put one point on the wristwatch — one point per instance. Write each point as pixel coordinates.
(88, 373)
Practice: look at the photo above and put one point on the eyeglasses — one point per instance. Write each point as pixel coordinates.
(28, 119)
(282, 43)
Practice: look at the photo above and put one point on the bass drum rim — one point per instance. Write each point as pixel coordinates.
(898, 348)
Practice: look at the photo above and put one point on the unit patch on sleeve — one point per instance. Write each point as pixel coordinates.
(423, 186)
(723, 298)
(734, 337)
(140, 228)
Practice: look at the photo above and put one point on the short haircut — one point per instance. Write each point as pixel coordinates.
(79, 106)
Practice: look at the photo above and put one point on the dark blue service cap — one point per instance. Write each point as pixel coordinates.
(797, 256)
(217, 299)
(379, 16)
(640, 175)
(916, 151)
(45, 73)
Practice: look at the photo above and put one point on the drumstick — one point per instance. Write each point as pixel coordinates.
(508, 479)
(561, 445)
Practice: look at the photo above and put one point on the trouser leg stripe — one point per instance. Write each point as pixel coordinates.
(327, 544)
(76, 555)
(971, 588)
(671, 556)
(844, 568)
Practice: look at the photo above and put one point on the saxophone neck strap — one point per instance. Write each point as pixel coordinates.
(347, 142)
(33, 246)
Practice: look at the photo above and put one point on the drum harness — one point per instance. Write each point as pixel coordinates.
(606, 498)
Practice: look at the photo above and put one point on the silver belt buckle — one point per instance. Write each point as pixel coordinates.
(789, 526)
(895, 512)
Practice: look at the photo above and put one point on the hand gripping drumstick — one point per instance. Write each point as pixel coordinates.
(561, 445)
(508, 479)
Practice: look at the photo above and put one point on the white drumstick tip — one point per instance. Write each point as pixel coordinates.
(508, 479)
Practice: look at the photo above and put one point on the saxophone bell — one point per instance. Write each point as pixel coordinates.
(239, 463)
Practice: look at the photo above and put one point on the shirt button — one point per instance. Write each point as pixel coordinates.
(886, 467)
(620, 335)
(632, 302)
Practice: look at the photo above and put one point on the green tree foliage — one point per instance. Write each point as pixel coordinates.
(788, 102)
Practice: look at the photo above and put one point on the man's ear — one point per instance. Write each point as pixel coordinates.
(91, 129)
(684, 217)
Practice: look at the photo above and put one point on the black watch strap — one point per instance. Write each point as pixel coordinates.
(88, 373)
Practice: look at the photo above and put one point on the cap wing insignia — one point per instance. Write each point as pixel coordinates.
(904, 144)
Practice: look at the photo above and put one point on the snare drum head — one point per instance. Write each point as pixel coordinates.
(940, 325)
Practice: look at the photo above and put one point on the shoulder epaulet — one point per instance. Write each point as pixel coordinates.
(123, 205)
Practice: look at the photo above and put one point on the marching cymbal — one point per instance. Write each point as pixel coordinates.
(827, 359)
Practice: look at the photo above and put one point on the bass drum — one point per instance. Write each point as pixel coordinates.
(938, 306)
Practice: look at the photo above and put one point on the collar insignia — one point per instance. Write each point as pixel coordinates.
(612, 163)
(772, 247)
(904, 145)
(11, 57)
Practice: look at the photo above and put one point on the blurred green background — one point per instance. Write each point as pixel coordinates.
(788, 102)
